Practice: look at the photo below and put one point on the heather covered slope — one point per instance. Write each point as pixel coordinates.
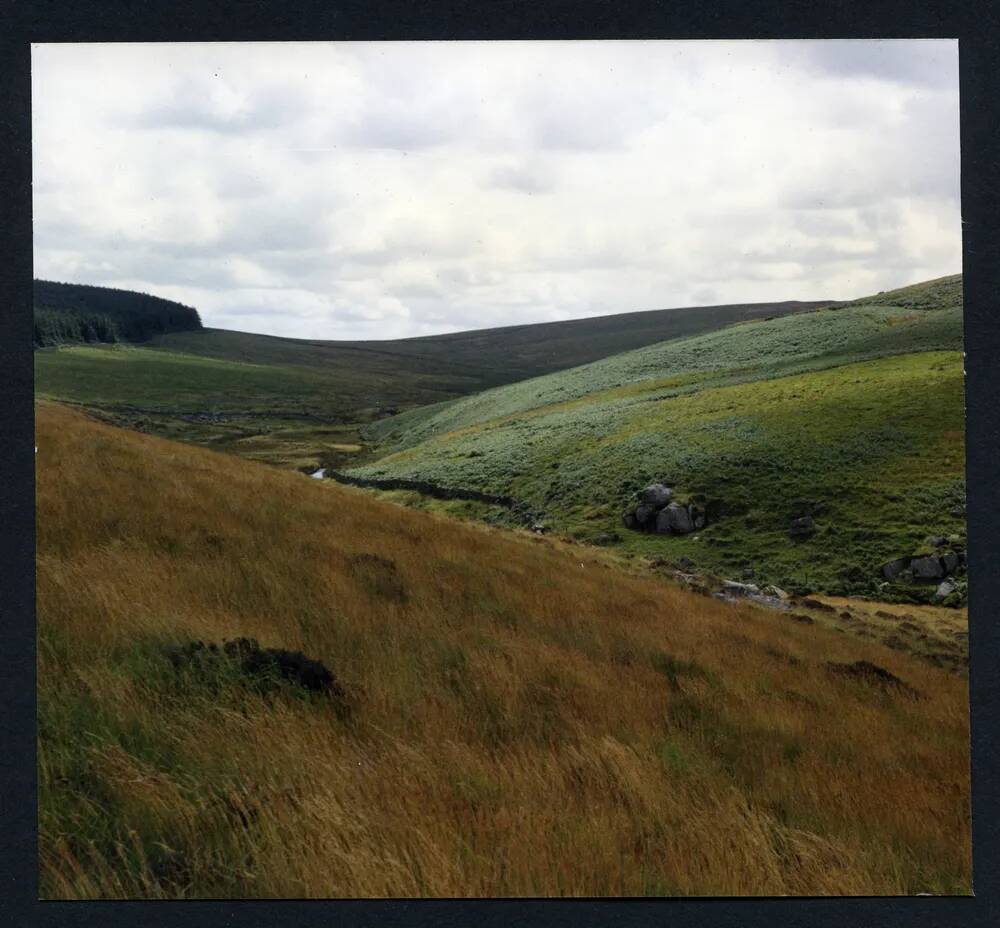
(854, 415)
(887, 324)
(523, 718)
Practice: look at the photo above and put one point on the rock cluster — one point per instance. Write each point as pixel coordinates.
(938, 568)
(657, 511)
(928, 568)
(771, 596)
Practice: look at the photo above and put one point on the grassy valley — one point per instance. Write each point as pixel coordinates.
(300, 403)
(514, 715)
(668, 604)
(853, 415)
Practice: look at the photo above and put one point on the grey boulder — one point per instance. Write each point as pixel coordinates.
(735, 588)
(656, 495)
(644, 514)
(950, 561)
(926, 569)
(945, 589)
(674, 520)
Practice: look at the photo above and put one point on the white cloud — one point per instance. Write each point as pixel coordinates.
(366, 190)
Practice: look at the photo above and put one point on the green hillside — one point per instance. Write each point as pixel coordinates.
(764, 349)
(300, 403)
(854, 414)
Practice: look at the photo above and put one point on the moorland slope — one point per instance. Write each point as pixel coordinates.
(515, 715)
(852, 416)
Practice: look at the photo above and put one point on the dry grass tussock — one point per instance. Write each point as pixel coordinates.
(525, 719)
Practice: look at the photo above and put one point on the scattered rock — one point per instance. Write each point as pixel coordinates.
(539, 528)
(657, 512)
(926, 569)
(801, 617)
(847, 616)
(656, 495)
(944, 590)
(675, 519)
(950, 562)
(607, 538)
(645, 514)
(735, 588)
(802, 527)
(777, 592)
(733, 591)
(872, 674)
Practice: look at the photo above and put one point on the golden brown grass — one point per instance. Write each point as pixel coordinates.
(939, 634)
(526, 719)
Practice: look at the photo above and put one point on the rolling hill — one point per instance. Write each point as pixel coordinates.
(492, 356)
(853, 414)
(297, 403)
(512, 715)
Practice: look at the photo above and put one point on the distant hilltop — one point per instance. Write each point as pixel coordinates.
(71, 313)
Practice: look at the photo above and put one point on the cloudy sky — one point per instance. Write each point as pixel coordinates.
(339, 190)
